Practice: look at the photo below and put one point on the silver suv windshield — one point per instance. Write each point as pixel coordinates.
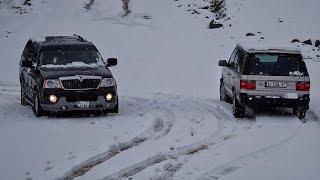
(275, 65)
(77, 55)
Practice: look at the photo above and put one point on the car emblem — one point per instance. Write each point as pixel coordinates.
(80, 78)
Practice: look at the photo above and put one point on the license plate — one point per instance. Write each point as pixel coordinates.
(274, 84)
(83, 104)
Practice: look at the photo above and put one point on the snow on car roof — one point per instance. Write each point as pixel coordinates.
(58, 40)
(275, 47)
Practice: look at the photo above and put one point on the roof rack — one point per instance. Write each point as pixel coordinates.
(79, 37)
(65, 38)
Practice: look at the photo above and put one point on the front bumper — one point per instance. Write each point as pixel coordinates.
(256, 101)
(68, 99)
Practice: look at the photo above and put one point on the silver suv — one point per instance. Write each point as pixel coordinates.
(264, 76)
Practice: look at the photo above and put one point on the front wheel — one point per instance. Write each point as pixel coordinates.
(223, 94)
(36, 105)
(22, 96)
(115, 109)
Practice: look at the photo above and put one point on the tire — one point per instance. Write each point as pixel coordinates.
(38, 112)
(237, 110)
(115, 109)
(301, 112)
(22, 95)
(223, 94)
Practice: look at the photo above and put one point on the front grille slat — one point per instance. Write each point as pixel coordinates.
(77, 84)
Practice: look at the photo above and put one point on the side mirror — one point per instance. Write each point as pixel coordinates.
(112, 62)
(26, 63)
(223, 63)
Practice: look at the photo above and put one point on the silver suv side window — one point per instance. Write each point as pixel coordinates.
(233, 58)
(240, 61)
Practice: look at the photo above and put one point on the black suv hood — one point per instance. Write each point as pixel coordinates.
(55, 73)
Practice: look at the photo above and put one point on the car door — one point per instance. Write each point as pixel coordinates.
(236, 69)
(32, 72)
(228, 72)
(25, 81)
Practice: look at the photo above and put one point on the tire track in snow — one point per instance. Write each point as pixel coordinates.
(241, 161)
(215, 138)
(168, 171)
(161, 126)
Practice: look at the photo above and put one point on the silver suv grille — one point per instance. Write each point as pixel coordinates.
(80, 84)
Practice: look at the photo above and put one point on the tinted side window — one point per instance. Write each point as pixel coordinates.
(240, 61)
(35, 52)
(27, 51)
(233, 58)
(233, 55)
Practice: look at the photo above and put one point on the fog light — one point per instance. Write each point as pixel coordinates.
(109, 96)
(53, 98)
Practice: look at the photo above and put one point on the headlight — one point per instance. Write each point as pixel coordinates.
(109, 97)
(107, 82)
(51, 83)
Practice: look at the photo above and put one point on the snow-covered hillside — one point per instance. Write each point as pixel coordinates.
(171, 124)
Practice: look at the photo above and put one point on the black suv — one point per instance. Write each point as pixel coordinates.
(66, 73)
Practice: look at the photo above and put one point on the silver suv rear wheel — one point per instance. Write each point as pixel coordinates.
(237, 109)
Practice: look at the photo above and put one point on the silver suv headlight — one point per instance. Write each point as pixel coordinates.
(51, 84)
(107, 82)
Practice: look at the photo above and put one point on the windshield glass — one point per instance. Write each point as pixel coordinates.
(275, 65)
(82, 55)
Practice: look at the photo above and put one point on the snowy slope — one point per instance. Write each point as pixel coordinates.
(171, 124)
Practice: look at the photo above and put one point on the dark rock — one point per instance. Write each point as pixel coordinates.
(309, 42)
(317, 43)
(195, 12)
(295, 41)
(207, 17)
(261, 37)
(214, 25)
(206, 7)
(250, 34)
(259, 32)
(146, 17)
(318, 55)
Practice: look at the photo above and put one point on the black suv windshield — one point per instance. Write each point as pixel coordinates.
(65, 55)
(275, 65)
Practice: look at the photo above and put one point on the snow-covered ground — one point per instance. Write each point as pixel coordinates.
(171, 124)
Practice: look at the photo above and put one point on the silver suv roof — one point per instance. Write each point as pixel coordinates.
(259, 47)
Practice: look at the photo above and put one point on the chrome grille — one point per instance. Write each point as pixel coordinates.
(77, 84)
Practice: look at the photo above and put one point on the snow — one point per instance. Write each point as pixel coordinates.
(296, 73)
(70, 65)
(269, 46)
(171, 124)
